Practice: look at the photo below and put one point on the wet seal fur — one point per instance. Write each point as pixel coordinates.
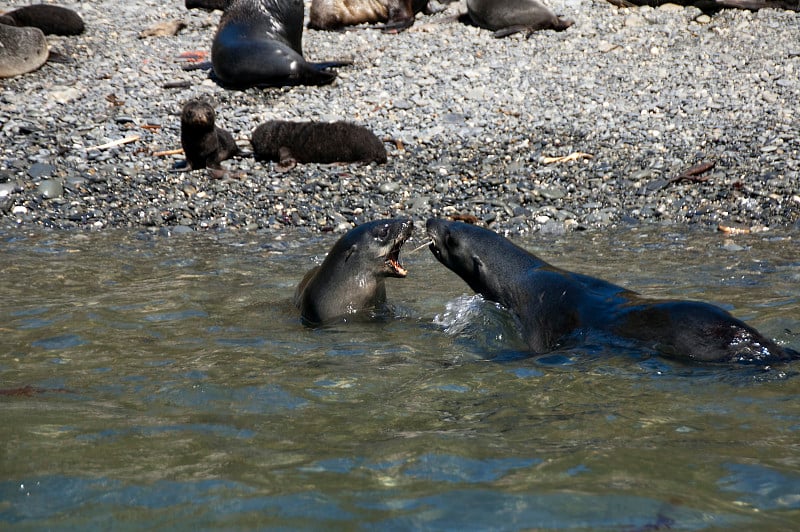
(316, 142)
(52, 20)
(351, 278)
(259, 44)
(336, 14)
(506, 17)
(22, 50)
(204, 144)
(555, 305)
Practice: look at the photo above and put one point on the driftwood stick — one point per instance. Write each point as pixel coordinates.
(167, 152)
(126, 140)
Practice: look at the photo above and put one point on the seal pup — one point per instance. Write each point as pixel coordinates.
(396, 15)
(316, 142)
(259, 44)
(555, 306)
(204, 144)
(52, 20)
(352, 277)
(22, 50)
(506, 17)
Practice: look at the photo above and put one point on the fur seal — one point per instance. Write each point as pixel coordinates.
(555, 306)
(22, 50)
(52, 20)
(259, 44)
(506, 17)
(351, 278)
(336, 14)
(204, 144)
(316, 142)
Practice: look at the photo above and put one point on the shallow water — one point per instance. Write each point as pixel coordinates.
(170, 384)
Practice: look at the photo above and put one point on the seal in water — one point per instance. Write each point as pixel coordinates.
(555, 305)
(52, 20)
(259, 44)
(22, 50)
(316, 142)
(351, 278)
(336, 14)
(506, 17)
(204, 144)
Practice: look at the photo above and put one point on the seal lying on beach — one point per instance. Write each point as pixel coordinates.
(316, 142)
(204, 144)
(259, 44)
(555, 305)
(22, 50)
(336, 14)
(352, 277)
(52, 20)
(506, 17)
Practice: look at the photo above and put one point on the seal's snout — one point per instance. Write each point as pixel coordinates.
(434, 228)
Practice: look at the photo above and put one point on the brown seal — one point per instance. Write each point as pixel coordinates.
(316, 142)
(352, 277)
(204, 144)
(336, 14)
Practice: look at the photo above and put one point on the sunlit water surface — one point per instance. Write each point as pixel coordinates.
(156, 381)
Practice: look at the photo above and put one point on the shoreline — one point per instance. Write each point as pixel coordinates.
(470, 121)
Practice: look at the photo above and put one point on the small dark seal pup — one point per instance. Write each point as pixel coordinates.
(259, 44)
(22, 50)
(316, 142)
(52, 20)
(204, 144)
(555, 306)
(351, 278)
(506, 17)
(336, 14)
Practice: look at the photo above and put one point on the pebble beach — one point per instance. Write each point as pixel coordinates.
(631, 116)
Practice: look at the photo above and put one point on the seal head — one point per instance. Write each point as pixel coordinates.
(351, 278)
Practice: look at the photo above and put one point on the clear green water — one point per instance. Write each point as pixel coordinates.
(173, 387)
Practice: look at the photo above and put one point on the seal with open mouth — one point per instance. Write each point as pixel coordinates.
(351, 278)
(555, 306)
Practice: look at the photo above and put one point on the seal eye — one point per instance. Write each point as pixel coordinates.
(449, 241)
(383, 231)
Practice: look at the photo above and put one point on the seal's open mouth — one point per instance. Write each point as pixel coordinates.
(393, 260)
